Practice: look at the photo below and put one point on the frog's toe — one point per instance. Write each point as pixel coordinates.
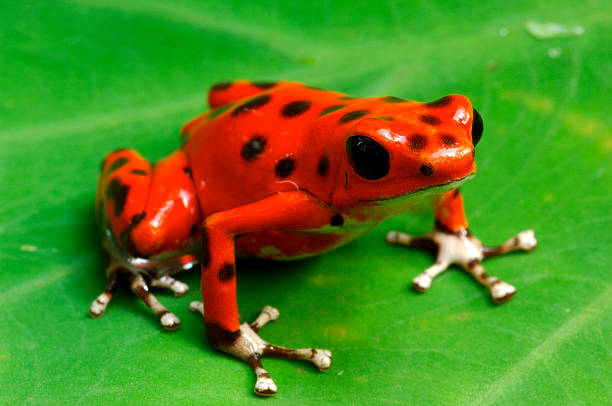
(421, 282)
(178, 288)
(321, 359)
(265, 386)
(170, 322)
(526, 240)
(98, 306)
(502, 292)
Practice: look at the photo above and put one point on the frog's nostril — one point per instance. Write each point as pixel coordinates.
(477, 128)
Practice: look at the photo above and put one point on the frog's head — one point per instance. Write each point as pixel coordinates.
(403, 148)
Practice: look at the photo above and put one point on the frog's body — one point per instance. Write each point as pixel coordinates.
(284, 171)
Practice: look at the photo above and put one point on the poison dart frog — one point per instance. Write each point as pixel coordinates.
(285, 171)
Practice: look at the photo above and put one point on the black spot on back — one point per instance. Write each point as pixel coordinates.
(323, 166)
(139, 172)
(117, 164)
(295, 108)
(136, 219)
(352, 115)
(429, 119)
(252, 104)
(253, 147)
(418, 141)
(226, 272)
(218, 111)
(221, 86)
(331, 109)
(264, 85)
(426, 169)
(187, 170)
(392, 99)
(285, 167)
(118, 192)
(337, 220)
(448, 139)
(444, 101)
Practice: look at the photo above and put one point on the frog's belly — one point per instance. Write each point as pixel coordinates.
(289, 245)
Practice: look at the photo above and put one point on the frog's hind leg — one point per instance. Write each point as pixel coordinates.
(150, 217)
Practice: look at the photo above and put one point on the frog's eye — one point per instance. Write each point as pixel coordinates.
(367, 157)
(477, 127)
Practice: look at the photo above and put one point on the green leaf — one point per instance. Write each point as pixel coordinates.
(80, 78)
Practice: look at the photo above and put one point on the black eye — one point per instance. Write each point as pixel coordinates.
(477, 127)
(367, 157)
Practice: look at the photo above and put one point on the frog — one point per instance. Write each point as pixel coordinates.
(284, 171)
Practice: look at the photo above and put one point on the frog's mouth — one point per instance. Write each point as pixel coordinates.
(443, 187)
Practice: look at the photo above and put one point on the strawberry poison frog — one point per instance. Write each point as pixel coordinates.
(284, 171)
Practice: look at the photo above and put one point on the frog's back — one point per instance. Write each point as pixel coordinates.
(259, 141)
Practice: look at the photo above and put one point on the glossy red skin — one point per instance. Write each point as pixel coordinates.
(226, 180)
(248, 206)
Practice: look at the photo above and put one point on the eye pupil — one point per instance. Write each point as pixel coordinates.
(477, 128)
(367, 157)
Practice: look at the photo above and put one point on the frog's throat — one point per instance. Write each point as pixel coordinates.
(443, 187)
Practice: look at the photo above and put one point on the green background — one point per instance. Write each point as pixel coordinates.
(80, 78)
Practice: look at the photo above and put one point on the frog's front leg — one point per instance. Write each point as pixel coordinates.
(290, 210)
(456, 245)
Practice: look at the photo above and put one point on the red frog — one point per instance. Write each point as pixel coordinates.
(285, 171)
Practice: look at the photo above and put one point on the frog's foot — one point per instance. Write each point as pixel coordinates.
(249, 347)
(168, 320)
(467, 251)
(168, 282)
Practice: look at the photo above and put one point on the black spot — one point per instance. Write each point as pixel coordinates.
(221, 86)
(117, 164)
(456, 193)
(187, 170)
(369, 159)
(448, 139)
(218, 337)
(218, 111)
(384, 118)
(352, 115)
(118, 192)
(193, 230)
(139, 172)
(295, 108)
(323, 166)
(251, 104)
(205, 260)
(253, 148)
(392, 99)
(285, 167)
(429, 119)
(426, 169)
(444, 101)
(347, 98)
(226, 272)
(337, 220)
(418, 141)
(136, 219)
(264, 85)
(331, 109)
(477, 128)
